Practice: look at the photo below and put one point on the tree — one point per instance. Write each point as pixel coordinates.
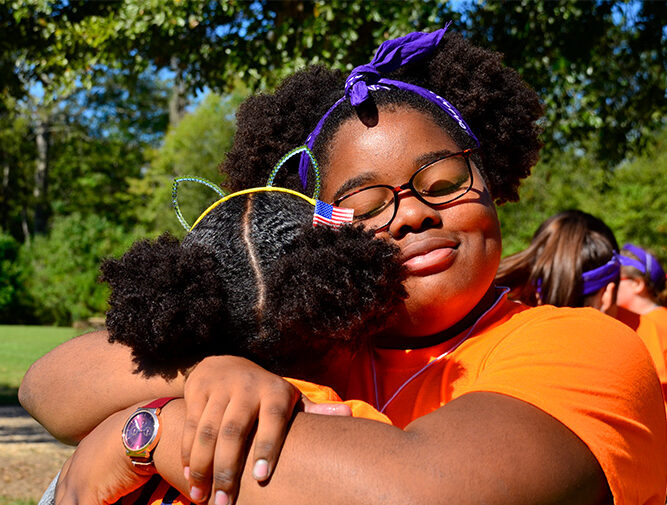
(600, 67)
(629, 198)
(194, 147)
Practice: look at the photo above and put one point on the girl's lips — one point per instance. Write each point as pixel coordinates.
(429, 256)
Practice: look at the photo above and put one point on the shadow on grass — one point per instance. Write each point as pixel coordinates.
(9, 395)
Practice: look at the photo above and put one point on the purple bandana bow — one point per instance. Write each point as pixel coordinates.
(391, 54)
(599, 277)
(645, 263)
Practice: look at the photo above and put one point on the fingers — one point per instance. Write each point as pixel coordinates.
(202, 446)
(326, 409)
(230, 453)
(224, 396)
(274, 417)
(194, 408)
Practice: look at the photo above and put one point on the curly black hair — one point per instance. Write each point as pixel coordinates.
(255, 279)
(497, 105)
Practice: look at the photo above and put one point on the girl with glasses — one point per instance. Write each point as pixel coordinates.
(491, 401)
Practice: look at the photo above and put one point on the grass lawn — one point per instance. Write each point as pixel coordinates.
(20, 346)
(6, 500)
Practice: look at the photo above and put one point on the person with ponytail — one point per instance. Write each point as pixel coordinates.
(573, 260)
(491, 401)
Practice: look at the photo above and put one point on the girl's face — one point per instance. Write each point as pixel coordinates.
(627, 291)
(452, 251)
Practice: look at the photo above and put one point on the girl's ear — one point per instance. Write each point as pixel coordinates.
(608, 299)
(639, 287)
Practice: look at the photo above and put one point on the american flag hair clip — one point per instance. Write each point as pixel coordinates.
(331, 216)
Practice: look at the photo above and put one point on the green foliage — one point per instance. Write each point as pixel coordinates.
(88, 72)
(64, 266)
(196, 146)
(631, 199)
(15, 303)
(598, 66)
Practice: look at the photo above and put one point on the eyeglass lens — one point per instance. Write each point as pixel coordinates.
(439, 183)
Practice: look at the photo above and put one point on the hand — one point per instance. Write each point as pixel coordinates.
(99, 471)
(225, 397)
(325, 409)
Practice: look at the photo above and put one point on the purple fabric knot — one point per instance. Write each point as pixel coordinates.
(391, 55)
(646, 263)
(599, 277)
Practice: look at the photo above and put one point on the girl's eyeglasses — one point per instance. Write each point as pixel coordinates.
(437, 183)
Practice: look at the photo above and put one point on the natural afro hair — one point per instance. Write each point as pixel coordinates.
(253, 279)
(497, 105)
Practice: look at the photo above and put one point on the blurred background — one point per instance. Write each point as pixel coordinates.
(103, 103)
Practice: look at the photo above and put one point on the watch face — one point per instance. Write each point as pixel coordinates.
(139, 431)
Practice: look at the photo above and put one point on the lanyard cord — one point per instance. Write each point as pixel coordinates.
(503, 291)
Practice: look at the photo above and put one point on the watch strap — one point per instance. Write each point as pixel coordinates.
(159, 403)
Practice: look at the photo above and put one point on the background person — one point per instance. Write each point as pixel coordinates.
(642, 287)
(491, 401)
(573, 261)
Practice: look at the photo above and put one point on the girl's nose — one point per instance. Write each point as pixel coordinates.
(413, 216)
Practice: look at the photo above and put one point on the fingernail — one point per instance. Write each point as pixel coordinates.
(261, 469)
(221, 498)
(197, 494)
(186, 472)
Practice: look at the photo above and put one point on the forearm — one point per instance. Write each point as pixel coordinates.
(74, 387)
(474, 450)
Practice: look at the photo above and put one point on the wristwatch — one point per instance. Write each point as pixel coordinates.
(141, 432)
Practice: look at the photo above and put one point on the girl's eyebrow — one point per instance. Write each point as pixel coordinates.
(366, 177)
(427, 158)
(353, 183)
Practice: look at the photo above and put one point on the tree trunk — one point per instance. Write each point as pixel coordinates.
(177, 101)
(24, 226)
(4, 209)
(40, 191)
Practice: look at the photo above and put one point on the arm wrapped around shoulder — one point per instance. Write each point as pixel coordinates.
(166, 303)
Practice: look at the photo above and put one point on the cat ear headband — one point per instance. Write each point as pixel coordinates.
(324, 214)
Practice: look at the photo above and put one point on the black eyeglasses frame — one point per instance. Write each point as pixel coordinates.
(396, 190)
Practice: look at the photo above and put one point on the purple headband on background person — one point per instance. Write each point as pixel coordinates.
(646, 263)
(391, 54)
(599, 277)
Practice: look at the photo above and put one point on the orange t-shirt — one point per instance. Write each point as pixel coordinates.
(585, 369)
(654, 338)
(659, 317)
(159, 492)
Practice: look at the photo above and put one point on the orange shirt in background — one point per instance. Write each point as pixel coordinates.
(580, 366)
(654, 338)
(659, 317)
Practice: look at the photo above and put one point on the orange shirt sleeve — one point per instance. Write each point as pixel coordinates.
(594, 375)
(323, 394)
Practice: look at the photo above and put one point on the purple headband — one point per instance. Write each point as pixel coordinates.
(599, 277)
(391, 54)
(647, 263)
